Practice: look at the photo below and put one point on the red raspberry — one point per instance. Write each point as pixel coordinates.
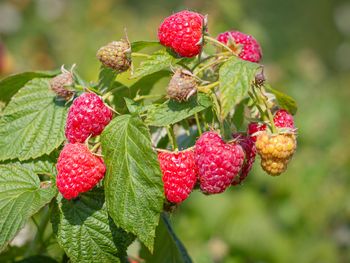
(179, 174)
(246, 46)
(183, 32)
(78, 170)
(87, 116)
(283, 119)
(248, 145)
(255, 127)
(218, 163)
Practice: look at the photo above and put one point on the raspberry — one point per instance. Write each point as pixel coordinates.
(183, 32)
(255, 127)
(182, 85)
(87, 116)
(275, 151)
(218, 163)
(273, 167)
(78, 170)
(248, 145)
(283, 119)
(245, 46)
(179, 174)
(60, 83)
(116, 55)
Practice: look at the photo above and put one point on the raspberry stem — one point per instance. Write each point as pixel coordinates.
(257, 102)
(138, 98)
(261, 98)
(217, 109)
(172, 137)
(218, 61)
(217, 43)
(198, 124)
(207, 88)
(96, 146)
(141, 55)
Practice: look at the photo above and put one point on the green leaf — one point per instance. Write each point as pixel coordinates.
(106, 78)
(136, 106)
(171, 111)
(20, 198)
(139, 45)
(284, 101)
(158, 61)
(142, 86)
(86, 232)
(167, 247)
(11, 84)
(238, 116)
(33, 122)
(235, 77)
(45, 165)
(133, 182)
(132, 106)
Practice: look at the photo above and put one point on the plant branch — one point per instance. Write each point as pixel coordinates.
(215, 62)
(217, 43)
(207, 88)
(136, 54)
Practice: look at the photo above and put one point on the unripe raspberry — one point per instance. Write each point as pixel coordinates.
(183, 32)
(275, 151)
(245, 46)
(179, 174)
(248, 145)
(182, 85)
(283, 119)
(255, 127)
(274, 167)
(218, 162)
(116, 55)
(78, 170)
(60, 84)
(87, 116)
(280, 146)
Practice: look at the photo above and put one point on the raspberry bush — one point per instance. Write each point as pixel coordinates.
(109, 162)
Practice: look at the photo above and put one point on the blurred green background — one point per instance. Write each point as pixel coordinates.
(301, 216)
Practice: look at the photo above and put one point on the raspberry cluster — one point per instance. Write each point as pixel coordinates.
(79, 170)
